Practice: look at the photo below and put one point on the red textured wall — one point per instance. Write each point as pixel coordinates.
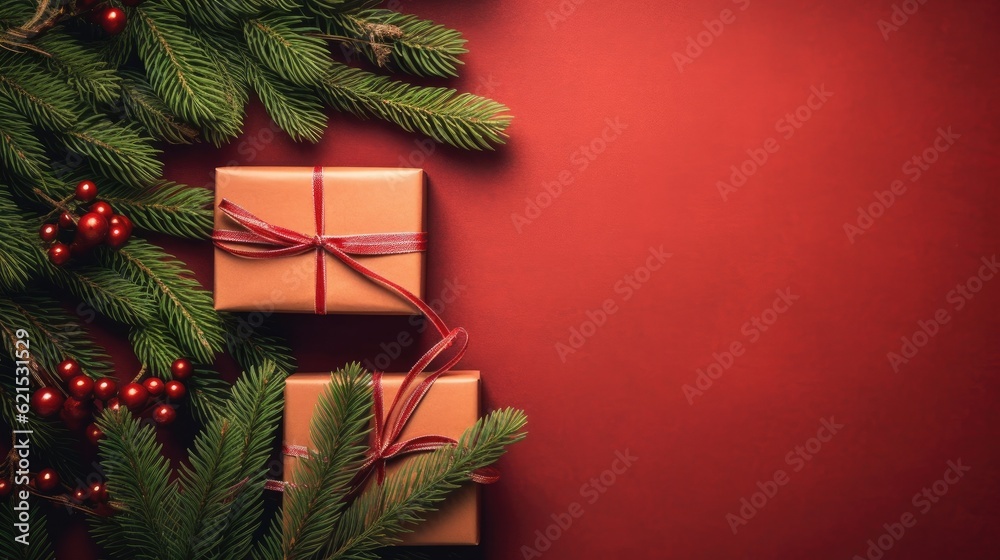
(679, 207)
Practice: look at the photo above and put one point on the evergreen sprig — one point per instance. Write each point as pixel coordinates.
(138, 481)
(406, 42)
(314, 505)
(37, 539)
(384, 511)
(463, 120)
(166, 207)
(184, 305)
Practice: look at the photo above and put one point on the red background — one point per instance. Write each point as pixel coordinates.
(655, 185)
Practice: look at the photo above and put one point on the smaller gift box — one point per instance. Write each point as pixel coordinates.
(280, 231)
(450, 407)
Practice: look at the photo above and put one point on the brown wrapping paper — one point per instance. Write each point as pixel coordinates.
(448, 409)
(357, 201)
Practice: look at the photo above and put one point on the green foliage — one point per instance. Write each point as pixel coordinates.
(413, 45)
(166, 207)
(179, 67)
(20, 150)
(54, 335)
(142, 105)
(383, 511)
(288, 48)
(184, 305)
(118, 151)
(139, 481)
(255, 344)
(16, 258)
(105, 291)
(298, 112)
(81, 67)
(314, 505)
(464, 120)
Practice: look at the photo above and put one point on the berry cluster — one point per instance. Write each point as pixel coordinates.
(96, 224)
(85, 396)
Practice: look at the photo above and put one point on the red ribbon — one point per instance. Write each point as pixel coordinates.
(389, 423)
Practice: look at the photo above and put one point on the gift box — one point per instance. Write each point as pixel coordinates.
(309, 203)
(448, 409)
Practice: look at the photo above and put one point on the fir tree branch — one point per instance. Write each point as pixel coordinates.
(413, 45)
(118, 151)
(383, 511)
(179, 67)
(338, 432)
(185, 306)
(139, 480)
(18, 260)
(155, 346)
(141, 104)
(208, 394)
(105, 291)
(82, 68)
(297, 111)
(288, 48)
(20, 150)
(166, 207)
(232, 497)
(54, 335)
(27, 84)
(462, 120)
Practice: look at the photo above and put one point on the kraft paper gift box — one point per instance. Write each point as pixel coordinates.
(450, 407)
(354, 201)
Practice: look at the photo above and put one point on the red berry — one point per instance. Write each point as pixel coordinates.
(154, 386)
(86, 190)
(113, 20)
(113, 404)
(5, 488)
(68, 369)
(67, 221)
(48, 232)
(79, 495)
(81, 386)
(181, 369)
(118, 236)
(94, 434)
(105, 388)
(164, 414)
(91, 229)
(47, 480)
(102, 208)
(176, 390)
(59, 254)
(134, 396)
(98, 492)
(75, 409)
(46, 402)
